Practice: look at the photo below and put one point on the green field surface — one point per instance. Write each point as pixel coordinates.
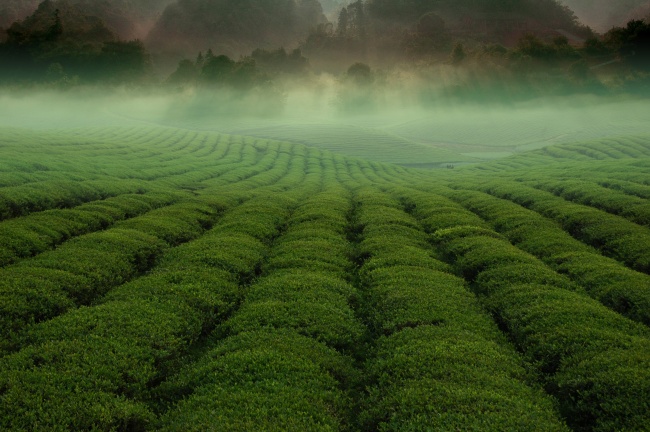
(437, 138)
(309, 277)
(360, 142)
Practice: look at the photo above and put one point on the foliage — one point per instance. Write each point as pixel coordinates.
(231, 27)
(632, 43)
(194, 279)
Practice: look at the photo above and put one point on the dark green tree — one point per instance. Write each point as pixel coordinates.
(632, 43)
(185, 74)
(343, 22)
(217, 69)
(458, 54)
(357, 19)
(56, 30)
(124, 61)
(360, 74)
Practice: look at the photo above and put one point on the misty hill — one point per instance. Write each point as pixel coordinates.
(59, 43)
(59, 23)
(128, 19)
(602, 15)
(233, 27)
(479, 15)
(385, 31)
(15, 10)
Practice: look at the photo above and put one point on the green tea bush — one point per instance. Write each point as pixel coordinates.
(163, 314)
(616, 286)
(273, 380)
(472, 255)
(174, 224)
(393, 254)
(52, 394)
(274, 371)
(438, 378)
(591, 194)
(234, 253)
(615, 236)
(628, 187)
(434, 363)
(493, 278)
(211, 293)
(606, 280)
(553, 326)
(319, 314)
(87, 267)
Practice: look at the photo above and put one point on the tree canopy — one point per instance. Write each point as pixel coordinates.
(234, 26)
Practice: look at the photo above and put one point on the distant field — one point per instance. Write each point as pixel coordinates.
(526, 127)
(407, 135)
(434, 139)
(177, 279)
(352, 140)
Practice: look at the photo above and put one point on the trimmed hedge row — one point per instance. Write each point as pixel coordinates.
(305, 286)
(591, 194)
(273, 380)
(278, 369)
(86, 267)
(440, 362)
(170, 158)
(605, 279)
(38, 232)
(192, 176)
(579, 155)
(614, 235)
(100, 364)
(593, 359)
(29, 174)
(254, 160)
(628, 187)
(33, 197)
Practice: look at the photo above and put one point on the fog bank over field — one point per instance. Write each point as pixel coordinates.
(389, 129)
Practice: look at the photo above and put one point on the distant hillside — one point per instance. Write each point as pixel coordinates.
(15, 10)
(602, 15)
(232, 27)
(129, 19)
(385, 31)
(59, 22)
(62, 43)
(642, 12)
(544, 13)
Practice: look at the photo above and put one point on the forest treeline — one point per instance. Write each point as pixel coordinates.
(515, 48)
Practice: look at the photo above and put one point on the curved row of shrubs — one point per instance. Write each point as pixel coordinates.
(35, 233)
(86, 267)
(615, 236)
(160, 160)
(22, 200)
(588, 193)
(440, 362)
(280, 366)
(98, 367)
(616, 286)
(83, 269)
(627, 187)
(591, 358)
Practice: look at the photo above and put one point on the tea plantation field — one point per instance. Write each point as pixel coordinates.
(167, 279)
